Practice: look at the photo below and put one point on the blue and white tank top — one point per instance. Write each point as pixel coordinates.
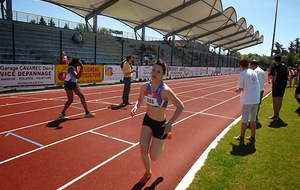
(69, 76)
(154, 98)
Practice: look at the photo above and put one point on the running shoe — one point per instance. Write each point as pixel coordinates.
(146, 177)
(62, 116)
(90, 114)
(251, 139)
(297, 110)
(239, 138)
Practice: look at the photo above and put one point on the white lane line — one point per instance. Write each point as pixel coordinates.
(96, 167)
(71, 137)
(29, 111)
(44, 122)
(189, 176)
(93, 169)
(111, 137)
(111, 124)
(80, 108)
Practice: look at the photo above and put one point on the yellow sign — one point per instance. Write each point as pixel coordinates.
(90, 74)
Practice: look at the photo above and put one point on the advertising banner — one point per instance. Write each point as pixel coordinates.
(231, 70)
(194, 71)
(211, 70)
(114, 72)
(175, 71)
(144, 72)
(90, 74)
(26, 75)
(225, 70)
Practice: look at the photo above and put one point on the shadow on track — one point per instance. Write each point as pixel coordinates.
(56, 123)
(139, 185)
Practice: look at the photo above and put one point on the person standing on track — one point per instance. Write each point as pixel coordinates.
(279, 76)
(248, 86)
(73, 73)
(261, 78)
(127, 72)
(155, 127)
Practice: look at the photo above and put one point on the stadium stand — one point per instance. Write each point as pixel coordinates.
(40, 44)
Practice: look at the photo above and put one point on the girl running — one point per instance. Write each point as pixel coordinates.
(155, 127)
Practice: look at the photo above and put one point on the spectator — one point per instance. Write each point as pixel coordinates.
(64, 59)
(146, 63)
(297, 92)
(296, 72)
(74, 39)
(248, 86)
(80, 39)
(279, 76)
(291, 76)
(143, 48)
(261, 79)
(162, 52)
(145, 58)
(127, 72)
(169, 42)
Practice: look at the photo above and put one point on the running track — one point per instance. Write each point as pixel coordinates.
(39, 152)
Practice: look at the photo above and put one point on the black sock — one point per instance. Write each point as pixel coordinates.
(87, 112)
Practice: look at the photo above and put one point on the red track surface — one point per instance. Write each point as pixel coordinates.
(103, 152)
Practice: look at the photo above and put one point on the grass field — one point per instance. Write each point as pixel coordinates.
(273, 162)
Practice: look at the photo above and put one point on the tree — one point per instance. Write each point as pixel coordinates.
(32, 21)
(104, 31)
(278, 48)
(297, 45)
(83, 27)
(292, 47)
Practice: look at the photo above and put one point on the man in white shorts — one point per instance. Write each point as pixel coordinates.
(248, 86)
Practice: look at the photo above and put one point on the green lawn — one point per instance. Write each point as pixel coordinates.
(273, 162)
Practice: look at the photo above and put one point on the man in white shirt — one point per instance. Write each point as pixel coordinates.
(261, 78)
(248, 86)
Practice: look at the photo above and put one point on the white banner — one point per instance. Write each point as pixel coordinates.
(26, 75)
(175, 71)
(194, 71)
(231, 70)
(225, 70)
(211, 70)
(114, 72)
(144, 72)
